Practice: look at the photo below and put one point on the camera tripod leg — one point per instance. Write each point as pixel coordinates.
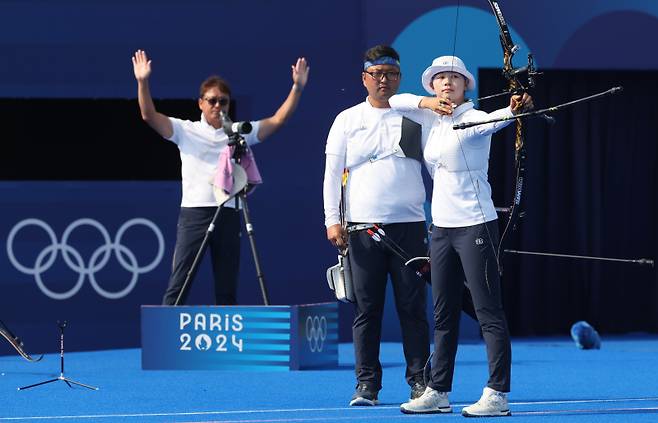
(252, 242)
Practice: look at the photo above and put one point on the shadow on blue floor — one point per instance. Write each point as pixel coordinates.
(552, 380)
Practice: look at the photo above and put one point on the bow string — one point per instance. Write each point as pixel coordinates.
(515, 86)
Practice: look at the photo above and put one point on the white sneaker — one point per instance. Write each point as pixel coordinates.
(491, 404)
(431, 401)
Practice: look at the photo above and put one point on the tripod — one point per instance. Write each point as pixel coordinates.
(235, 139)
(61, 325)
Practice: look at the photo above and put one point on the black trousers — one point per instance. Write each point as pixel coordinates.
(224, 246)
(459, 254)
(371, 265)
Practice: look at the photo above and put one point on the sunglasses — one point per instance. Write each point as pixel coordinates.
(223, 101)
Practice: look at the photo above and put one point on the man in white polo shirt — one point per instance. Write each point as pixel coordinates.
(382, 151)
(200, 144)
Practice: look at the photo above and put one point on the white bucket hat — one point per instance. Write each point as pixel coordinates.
(446, 64)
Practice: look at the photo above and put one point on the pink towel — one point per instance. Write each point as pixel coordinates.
(224, 176)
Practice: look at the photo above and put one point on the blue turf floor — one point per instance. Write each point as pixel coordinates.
(551, 381)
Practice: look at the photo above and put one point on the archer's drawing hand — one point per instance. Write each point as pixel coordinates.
(442, 106)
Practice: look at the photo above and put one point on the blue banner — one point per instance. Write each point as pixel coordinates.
(266, 338)
(88, 253)
(314, 336)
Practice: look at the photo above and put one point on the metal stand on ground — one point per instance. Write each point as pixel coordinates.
(61, 377)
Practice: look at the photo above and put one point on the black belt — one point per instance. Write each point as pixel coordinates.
(360, 227)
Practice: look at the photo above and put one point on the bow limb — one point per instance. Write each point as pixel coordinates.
(16, 343)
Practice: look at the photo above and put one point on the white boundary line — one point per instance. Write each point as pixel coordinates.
(584, 411)
(590, 401)
(297, 410)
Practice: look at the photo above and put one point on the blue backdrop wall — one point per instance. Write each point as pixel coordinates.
(57, 51)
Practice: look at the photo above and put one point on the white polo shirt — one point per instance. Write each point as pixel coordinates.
(200, 145)
(382, 187)
(458, 161)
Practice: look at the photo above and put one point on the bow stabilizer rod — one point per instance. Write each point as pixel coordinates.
(641, 261)
(611, 91)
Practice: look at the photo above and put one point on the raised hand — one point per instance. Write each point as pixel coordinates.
(141, 65)
(300, 72)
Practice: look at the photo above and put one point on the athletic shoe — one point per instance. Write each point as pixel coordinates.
(432, 401)
(364, 396)
(417, 388)
(491, 404)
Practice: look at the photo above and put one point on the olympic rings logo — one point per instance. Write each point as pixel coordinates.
(73, 259)
(316, 332)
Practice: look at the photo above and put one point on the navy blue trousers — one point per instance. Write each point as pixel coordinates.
(224, 247)
(459, 254)
(371, 265)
